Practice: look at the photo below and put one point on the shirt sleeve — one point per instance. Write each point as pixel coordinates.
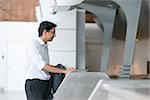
(35, 56)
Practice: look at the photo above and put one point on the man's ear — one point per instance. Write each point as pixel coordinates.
(44, 32)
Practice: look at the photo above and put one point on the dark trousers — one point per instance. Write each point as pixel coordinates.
(38, 89)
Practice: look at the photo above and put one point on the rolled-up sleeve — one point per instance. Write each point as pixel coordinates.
(35, 56)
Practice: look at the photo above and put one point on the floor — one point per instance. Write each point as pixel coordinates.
(12, 95)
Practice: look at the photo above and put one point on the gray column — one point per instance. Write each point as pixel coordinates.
(108, 29)
(131, 9)
(80, 39)
(107, 17)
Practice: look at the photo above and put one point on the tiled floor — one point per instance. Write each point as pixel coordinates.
(12, 95)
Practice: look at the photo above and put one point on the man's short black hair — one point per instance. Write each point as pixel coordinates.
(45, 25)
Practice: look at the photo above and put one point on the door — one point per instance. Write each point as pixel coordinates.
(2, 58)
(18, 34)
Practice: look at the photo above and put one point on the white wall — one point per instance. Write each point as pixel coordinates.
(16, 36)
(142, 55)
(63, 50)
(63, 47)
(94, 41)
(2, 57)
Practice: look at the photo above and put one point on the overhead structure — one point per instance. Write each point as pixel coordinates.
(105, 11)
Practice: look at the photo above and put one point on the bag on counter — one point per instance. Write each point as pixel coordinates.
(56, 78)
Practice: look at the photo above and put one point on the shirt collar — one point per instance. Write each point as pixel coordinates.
(41, 41)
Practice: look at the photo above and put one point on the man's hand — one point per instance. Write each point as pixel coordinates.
(53, 69)
(68, 70)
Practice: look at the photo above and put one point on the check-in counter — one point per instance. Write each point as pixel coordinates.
(121, 90)
(78, 85)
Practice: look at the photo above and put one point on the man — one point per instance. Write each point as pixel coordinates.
(37, 64)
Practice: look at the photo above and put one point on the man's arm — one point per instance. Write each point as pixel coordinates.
(51, 68)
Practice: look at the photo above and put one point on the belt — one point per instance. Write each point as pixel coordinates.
(36, 79)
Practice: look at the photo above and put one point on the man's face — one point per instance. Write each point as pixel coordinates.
(51, 34)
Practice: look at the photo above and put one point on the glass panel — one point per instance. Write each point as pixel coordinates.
(121, 90)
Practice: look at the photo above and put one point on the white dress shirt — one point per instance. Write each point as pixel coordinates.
(36, 58)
